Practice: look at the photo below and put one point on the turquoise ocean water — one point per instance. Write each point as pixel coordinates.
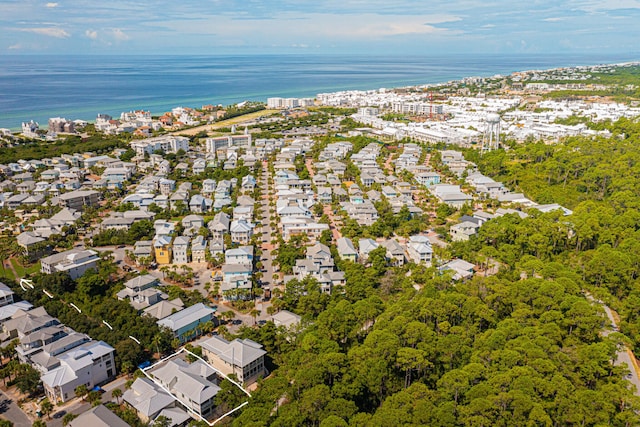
(79, 87)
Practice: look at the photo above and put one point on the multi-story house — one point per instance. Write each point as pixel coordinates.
(79, 199)
(181, 250)
(6, 295)
(346, 250)
(183, 323)
(419, 250)
(191, 383)
(242, 357)
(75, 262)
(241, 231)
(241, 255)
(162, 249)
(90, 364)
(198, 249)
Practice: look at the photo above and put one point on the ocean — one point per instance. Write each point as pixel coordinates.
(80, 87)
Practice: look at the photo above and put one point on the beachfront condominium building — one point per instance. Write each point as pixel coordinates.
(289, 102)
(165, 143)
(214, 144)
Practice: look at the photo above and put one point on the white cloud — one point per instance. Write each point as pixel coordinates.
(16, 46)
(50, 32)
(488, 26)
(52, 5)
(604, 5)
(119, 35)
(325, 25)
(554, 19)
(92, 34)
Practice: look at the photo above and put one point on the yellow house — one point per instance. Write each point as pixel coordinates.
(162, 247)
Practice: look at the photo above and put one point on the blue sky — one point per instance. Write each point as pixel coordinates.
(332, 26)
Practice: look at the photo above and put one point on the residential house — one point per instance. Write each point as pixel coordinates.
(241, 231)
(219, 225)
(140, 291)
(75, 262)
(236, 281)
(248, 183)
(164, 308)
(324, 194)
(199, 166)
(143, 248)
(464, 230)
(287, 319)
(216, 247)
(240, 255)
(183, 324)
(364, 213)
(395, 252)
(32, 244)
(346, 249)
(419, 250)
(162, 249)
(148, 399)
(366, 246)
(191, 383)
(79, 199)
(167, 186)
(199, 204)
(198, 249)
(208, 187)
(242, 357)
(302, 226)
(192, 224)
(6, 295)
(181, 250)
(100, 416)
(462, 270)
(89, 364)
(452, 195)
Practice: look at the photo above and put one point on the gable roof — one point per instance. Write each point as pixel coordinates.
(146, 397)
(185, 317)
(239, 352)
(99, 416)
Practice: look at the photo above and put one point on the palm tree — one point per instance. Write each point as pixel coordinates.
(155, 341)
(255, 313)
(81, 390)
(66, 420)
(164, 270)
(207, 327)
(46, 407)
(228, 315)
(117, 393)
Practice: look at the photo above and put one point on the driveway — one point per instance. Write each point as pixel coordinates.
(624, 355)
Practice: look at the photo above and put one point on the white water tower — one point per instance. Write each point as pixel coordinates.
(491, 137)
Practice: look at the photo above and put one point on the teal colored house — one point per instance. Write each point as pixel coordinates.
(183, 323)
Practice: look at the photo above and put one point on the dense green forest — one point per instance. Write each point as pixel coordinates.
(98, 144)
(406, 346)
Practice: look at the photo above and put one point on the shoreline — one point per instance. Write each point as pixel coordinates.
(158, 106)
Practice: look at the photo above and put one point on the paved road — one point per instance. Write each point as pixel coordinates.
(625, 356)
(12, 412)
(78, 406)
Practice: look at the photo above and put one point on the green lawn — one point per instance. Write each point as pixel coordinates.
(21, 270)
